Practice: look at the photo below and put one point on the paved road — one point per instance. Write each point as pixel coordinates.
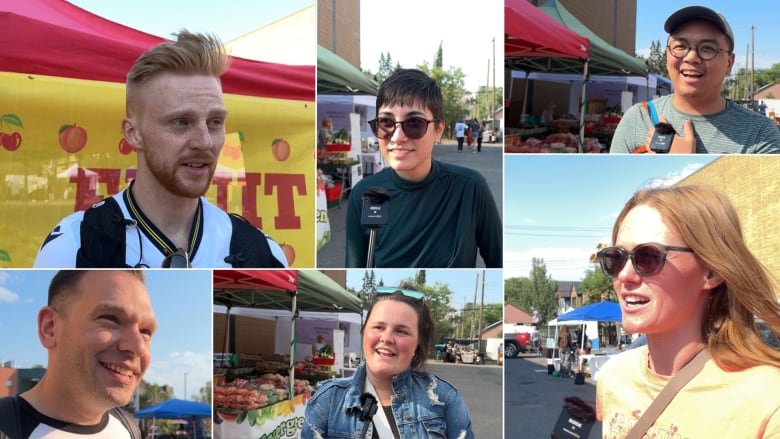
(489, 162)
(481, 387)
(534, 399)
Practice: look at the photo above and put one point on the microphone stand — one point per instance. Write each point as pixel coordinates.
(371, 246)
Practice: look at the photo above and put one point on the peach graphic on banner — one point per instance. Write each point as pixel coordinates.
(281, 149)
(72, 138)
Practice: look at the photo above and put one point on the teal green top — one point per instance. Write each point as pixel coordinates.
(439, 222)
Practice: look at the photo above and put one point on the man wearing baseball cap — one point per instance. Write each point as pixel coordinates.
(700, 54)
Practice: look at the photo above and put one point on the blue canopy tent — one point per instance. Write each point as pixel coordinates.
(176, 409)
(599, 312)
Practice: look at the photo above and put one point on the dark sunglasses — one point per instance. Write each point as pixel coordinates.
(179, 259)
(414, 127)
(648, 259)
(393, 290)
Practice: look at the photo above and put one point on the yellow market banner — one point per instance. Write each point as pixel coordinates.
(61, 150)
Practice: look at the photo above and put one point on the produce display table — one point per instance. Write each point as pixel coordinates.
(282, 419)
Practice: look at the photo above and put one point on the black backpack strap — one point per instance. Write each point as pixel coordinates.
(103, 232)
(249, 246)
(10, 418)
(128, 420)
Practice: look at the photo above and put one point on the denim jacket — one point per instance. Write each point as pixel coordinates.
(424, 406)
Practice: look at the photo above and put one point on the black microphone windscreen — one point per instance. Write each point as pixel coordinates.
(376, 195)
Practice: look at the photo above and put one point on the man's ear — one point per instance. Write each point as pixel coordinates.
(131, 134)
(47, 327)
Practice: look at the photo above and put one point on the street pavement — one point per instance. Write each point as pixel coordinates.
(489, 163)
(481, 388)
(534, 399)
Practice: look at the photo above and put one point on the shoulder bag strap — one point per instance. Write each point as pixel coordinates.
(671, 389)
(10, 418)
(649, 106)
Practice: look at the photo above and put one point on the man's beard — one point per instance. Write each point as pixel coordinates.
(165, 174)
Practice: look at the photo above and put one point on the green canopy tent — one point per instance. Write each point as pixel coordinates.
(336, 76)
(301, 290)
(603, 58)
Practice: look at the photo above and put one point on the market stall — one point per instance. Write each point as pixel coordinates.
(63, 71)
(601, 58)
(192, 411)
(597, 312)
(262, 395)
(347, 96)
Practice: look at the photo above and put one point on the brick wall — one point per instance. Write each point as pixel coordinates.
(344, 38)
(752, 183)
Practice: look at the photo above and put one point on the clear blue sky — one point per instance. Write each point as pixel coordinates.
(741, 15)
(460, 281)
(227, 19)
(560, 207)
(411, 30)
(182, 304)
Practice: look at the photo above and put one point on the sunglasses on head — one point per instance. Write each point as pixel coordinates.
(648, 259)
(392, 290)
(178, 259)
(414, 127)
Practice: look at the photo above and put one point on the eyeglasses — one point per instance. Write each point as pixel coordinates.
(414, 127)
(648, 259)
(179, 259)
(705, 50)
(408, 293)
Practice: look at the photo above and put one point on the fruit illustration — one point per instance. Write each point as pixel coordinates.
(289, 253)
(10, 140)
(72, 138)
(280, 149)
(125, 147)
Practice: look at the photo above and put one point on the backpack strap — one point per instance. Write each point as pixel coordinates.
(666, 396)
(102, 236)
(249, 246)
(10, 418)
(128, 420)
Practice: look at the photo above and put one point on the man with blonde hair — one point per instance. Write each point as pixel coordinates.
(175, 121)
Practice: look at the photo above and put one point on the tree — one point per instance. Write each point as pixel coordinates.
(596, 286)
(205, 394)
(385, 67)
(656, 60)
(534, 293)
(452, 83)
(420, 278)
(438, 59)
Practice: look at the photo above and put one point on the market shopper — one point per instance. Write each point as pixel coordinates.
(397, 337)
(324, 134)
(97, 328)
(685, 277)
(175, 121)
(700, 54)
(440, 215)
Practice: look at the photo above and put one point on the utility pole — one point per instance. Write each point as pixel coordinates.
(753, 68)
(493, 100)
(481, 311)
(185, 386)
(747, 63)
(474, 310)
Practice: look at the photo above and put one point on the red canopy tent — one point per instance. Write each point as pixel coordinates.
(56, 38)
(529, 32)
(534, 41)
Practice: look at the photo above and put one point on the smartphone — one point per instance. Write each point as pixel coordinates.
(662, 139)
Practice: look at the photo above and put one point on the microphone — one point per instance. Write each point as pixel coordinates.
(375, 213)
(368, 408)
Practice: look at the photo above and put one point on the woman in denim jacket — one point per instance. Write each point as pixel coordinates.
(412, 404)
